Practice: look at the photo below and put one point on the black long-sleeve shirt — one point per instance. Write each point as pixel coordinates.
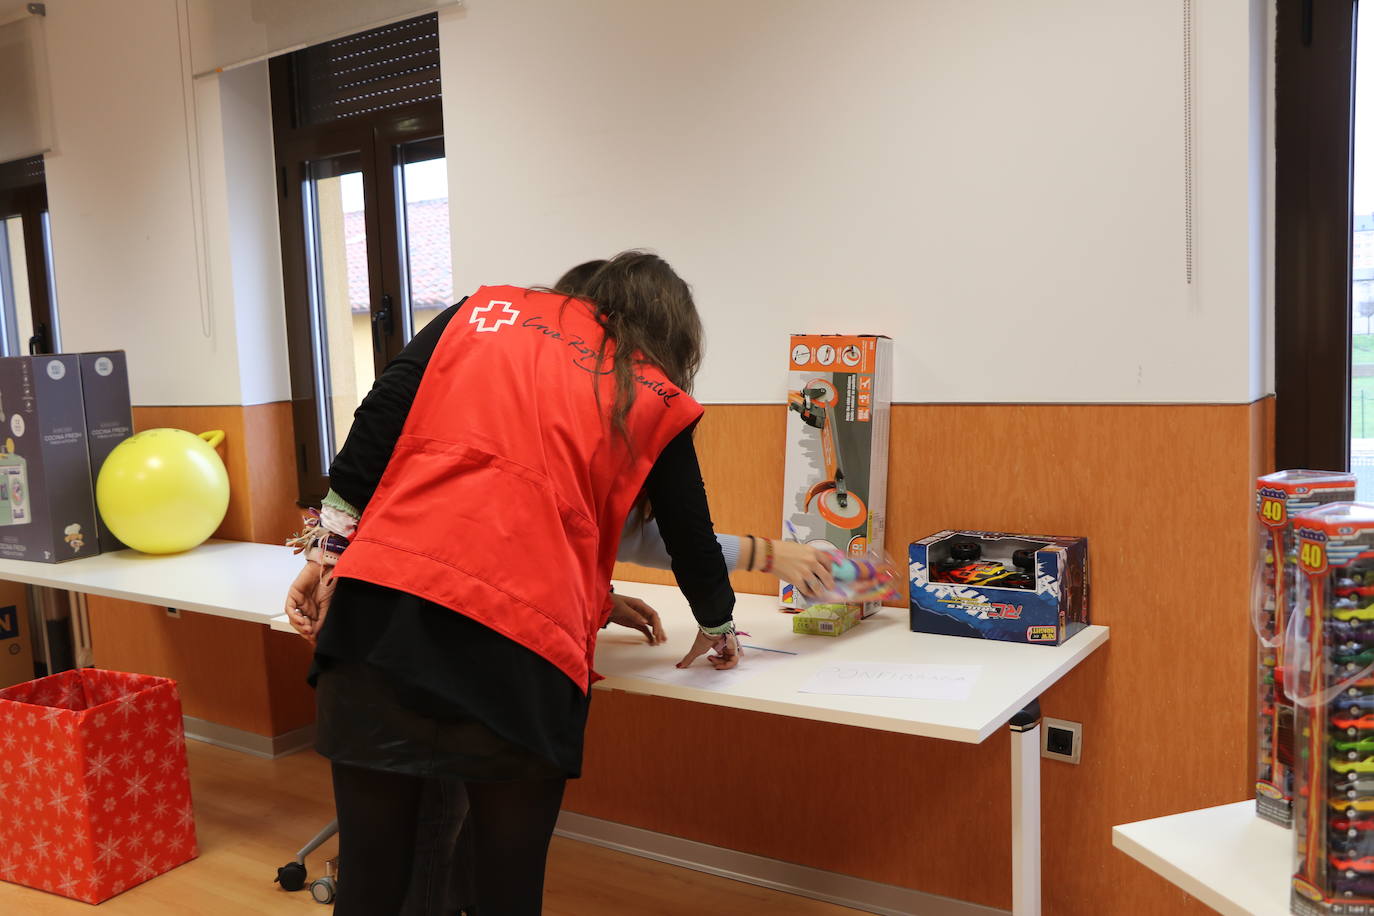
(448, 664)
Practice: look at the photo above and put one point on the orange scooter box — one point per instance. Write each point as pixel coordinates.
(839, 417)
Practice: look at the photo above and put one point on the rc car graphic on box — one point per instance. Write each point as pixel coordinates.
(994, 585)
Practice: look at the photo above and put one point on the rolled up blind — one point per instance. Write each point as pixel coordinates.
(227, 33)
(389, 67)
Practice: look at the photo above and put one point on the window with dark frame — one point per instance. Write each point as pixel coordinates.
(28, 310)
(1314, 227)
(363, 207)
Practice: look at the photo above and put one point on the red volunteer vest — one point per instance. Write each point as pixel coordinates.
(508, 489)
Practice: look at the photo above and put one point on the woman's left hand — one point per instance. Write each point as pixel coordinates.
(804, 566)
(308, 598)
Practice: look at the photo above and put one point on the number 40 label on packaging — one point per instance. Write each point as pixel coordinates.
(1273, 511)
(1312, 556)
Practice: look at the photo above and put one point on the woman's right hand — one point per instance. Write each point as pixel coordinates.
(806, 567)
(726, 648)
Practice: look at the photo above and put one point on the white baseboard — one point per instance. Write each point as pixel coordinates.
(842, 890)
(236, 739)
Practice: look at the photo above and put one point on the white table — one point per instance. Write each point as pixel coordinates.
(223, 578)
(1224, 856)
(248, 582)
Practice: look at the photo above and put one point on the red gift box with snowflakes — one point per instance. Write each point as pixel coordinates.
(94, 793)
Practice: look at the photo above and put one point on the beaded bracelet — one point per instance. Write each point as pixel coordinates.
(767, 556)
(753, 549)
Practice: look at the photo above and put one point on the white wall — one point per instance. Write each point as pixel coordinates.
(244, 168)
(997, 185)
(163, 245)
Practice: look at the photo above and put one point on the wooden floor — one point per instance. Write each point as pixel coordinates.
(252, 815)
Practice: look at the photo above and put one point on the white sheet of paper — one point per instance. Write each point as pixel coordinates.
(703, 677)
(884, 679)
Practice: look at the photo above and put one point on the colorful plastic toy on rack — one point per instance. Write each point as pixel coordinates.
(1278, 498)
(1327, 674)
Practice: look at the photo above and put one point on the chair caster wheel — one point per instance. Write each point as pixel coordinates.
(323, 889)
(291, 876)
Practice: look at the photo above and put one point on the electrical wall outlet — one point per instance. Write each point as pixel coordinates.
(1061, 740)
(174, 613)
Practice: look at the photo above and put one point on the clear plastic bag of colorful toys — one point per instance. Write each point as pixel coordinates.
(1330, 676)
(871, 576)
(1279, 497)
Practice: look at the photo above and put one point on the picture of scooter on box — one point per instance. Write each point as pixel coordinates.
(830, 496)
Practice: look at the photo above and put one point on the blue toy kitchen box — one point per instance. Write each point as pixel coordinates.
(994, 585)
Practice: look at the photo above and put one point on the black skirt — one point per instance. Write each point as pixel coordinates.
(406, 685)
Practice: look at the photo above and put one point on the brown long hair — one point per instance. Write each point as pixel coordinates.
(647, 314)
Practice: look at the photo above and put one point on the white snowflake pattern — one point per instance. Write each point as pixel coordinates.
(159, 837)
(144, 868)
(54, 715)
(159, 810)
(70, 694)
(84, 794)
(38, 849)
(150, 728)
(58, 802)
(8, 738)
(49, 768)
(99, 720)
(125, 735)
(135, 839)
(107, 851)
(134, 817)
(125, 760)
(137, 786)
(31, 762)
(126, 705)
(99, 767)
(109, 804)
(66, 885)
(149, 757)
(167, 764)
(187, 817)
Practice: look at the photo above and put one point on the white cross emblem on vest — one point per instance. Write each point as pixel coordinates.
(479, 317)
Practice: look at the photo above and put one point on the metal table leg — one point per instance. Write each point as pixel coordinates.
(1025, 811)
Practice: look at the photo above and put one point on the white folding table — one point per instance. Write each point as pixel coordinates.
(1225, 856)
(248, 582)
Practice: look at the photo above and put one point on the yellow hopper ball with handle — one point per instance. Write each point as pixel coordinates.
(164, 490)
